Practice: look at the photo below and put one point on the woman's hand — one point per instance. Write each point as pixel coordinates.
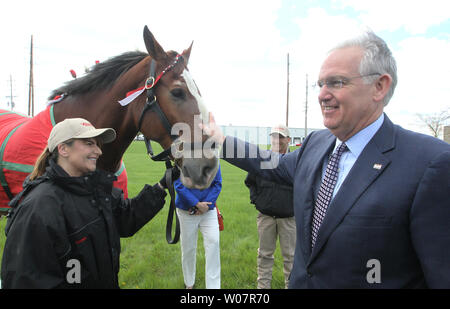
(175, 175)
(202, 207)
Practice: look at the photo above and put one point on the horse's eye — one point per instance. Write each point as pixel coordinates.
(178, 93)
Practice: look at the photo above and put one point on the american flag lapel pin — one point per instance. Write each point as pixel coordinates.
(377, 166)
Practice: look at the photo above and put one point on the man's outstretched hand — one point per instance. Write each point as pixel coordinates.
(213, 130)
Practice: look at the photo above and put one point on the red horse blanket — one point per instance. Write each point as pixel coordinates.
(22, 140)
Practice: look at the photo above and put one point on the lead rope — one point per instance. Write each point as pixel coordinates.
(172, 208)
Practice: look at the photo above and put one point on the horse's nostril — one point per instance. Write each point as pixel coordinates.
(206, 171)
(185, 172)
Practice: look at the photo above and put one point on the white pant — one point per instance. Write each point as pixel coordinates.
(209, 226)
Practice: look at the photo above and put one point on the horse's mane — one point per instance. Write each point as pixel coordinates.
(102, 76)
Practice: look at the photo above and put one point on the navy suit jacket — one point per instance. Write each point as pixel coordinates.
(393, 208)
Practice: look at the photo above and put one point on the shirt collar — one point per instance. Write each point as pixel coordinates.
(357, 142)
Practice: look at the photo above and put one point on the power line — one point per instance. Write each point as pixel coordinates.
(11, 97)
(306, 108)
(287, 94)
(31, 85)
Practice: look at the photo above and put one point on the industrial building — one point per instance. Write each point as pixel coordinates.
(260, 135)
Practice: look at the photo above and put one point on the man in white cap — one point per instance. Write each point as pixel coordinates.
(280, 139)
(275, 217)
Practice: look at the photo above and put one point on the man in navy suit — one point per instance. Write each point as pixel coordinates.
(385, 222)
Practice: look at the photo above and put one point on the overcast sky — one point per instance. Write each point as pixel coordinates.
(240, 49)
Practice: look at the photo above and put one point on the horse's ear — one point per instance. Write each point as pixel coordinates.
(153, 48)
(187, 52)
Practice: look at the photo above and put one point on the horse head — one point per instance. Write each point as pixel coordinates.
(181, 109)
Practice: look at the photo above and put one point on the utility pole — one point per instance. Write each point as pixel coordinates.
(31, 85)
(287, 97)
(11, 96)
(306, 108)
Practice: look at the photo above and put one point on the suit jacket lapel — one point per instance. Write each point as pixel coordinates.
(370, 164)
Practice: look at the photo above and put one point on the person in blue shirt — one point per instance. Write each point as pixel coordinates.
(196, 211)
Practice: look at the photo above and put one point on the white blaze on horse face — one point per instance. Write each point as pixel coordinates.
(204, 114)
(199, 169)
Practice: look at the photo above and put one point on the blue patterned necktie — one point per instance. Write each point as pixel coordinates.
(326, 191)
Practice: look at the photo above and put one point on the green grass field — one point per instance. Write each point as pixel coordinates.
(148, 262)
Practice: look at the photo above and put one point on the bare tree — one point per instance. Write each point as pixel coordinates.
(435, 122)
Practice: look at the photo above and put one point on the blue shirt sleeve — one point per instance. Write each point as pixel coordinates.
(185, 196)
(214, 189)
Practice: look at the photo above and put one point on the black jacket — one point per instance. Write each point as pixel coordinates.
(65, 223)
(270, 198)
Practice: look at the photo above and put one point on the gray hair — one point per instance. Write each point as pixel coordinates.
(377, 58)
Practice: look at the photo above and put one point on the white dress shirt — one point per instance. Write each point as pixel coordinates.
(355, 145)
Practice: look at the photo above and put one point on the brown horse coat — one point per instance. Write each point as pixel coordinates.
(22, 140)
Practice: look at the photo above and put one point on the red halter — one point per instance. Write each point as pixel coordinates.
(149, 84)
